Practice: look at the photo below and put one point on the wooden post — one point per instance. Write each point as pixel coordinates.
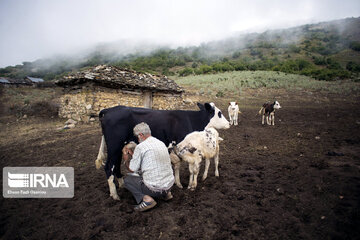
(148, 99)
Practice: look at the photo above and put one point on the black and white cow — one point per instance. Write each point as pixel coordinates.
(167, 125)
(268, 111)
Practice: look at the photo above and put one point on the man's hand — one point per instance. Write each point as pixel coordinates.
(127, 156)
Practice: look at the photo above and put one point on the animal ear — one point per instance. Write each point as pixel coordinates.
(229, 103)
(200, 106)
(236, 103)
(208, 107)
(192, 150)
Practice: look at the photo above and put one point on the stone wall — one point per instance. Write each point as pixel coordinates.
(86, 103)
(167, 101)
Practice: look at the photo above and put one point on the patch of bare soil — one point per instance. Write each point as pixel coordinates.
(299, 179)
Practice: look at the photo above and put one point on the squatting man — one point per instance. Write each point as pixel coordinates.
(151, 174)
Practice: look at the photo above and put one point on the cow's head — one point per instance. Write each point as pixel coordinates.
(217, 119)
(232, 105)
(277, 105)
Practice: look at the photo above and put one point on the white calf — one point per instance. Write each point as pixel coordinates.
(195, 147)
(233, 111)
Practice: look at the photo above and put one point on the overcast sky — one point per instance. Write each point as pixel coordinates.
(33, 29)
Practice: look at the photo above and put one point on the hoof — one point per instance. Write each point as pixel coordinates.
(98, 163)
(121, 182)
(179, 186)
(115, 197)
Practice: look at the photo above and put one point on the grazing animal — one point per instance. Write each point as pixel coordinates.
(268, 111)
(196, 146)
(233, 111)
(117, 125)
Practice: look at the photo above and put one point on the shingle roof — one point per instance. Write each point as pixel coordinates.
(4, 80)
(113, 77)
(12, 81)
(35, 80)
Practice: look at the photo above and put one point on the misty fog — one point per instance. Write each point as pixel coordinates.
(35, 29)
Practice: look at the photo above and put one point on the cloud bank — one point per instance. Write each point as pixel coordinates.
(33, 29)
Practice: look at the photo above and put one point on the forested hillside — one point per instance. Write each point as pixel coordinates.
(325, 51)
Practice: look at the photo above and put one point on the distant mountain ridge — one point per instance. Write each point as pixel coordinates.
(326, 50)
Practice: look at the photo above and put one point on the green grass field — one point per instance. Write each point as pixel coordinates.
(235, 82)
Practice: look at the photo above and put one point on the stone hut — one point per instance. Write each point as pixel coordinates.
(87, 92)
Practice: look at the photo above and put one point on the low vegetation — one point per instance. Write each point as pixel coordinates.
(234, 82)
(29, 101)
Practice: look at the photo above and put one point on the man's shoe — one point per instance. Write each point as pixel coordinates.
(144, 206)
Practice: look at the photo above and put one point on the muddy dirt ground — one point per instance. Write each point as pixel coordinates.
(299, 179)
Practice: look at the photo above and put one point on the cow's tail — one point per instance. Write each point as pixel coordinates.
(101, 118)
(101, 155)
(261, 109)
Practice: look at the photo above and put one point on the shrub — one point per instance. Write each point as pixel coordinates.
(302, 64)
(319, 60)
(166, 72)
(239, 66)
(205, 69)
(330, 74)
(355, 46)
(255, 52)
(252, 67)
(354, 67)
(220, 94)
(197, 71)
(186, 72)
(332, 64)
(42, 109)
(222, 67)
(293, 48)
